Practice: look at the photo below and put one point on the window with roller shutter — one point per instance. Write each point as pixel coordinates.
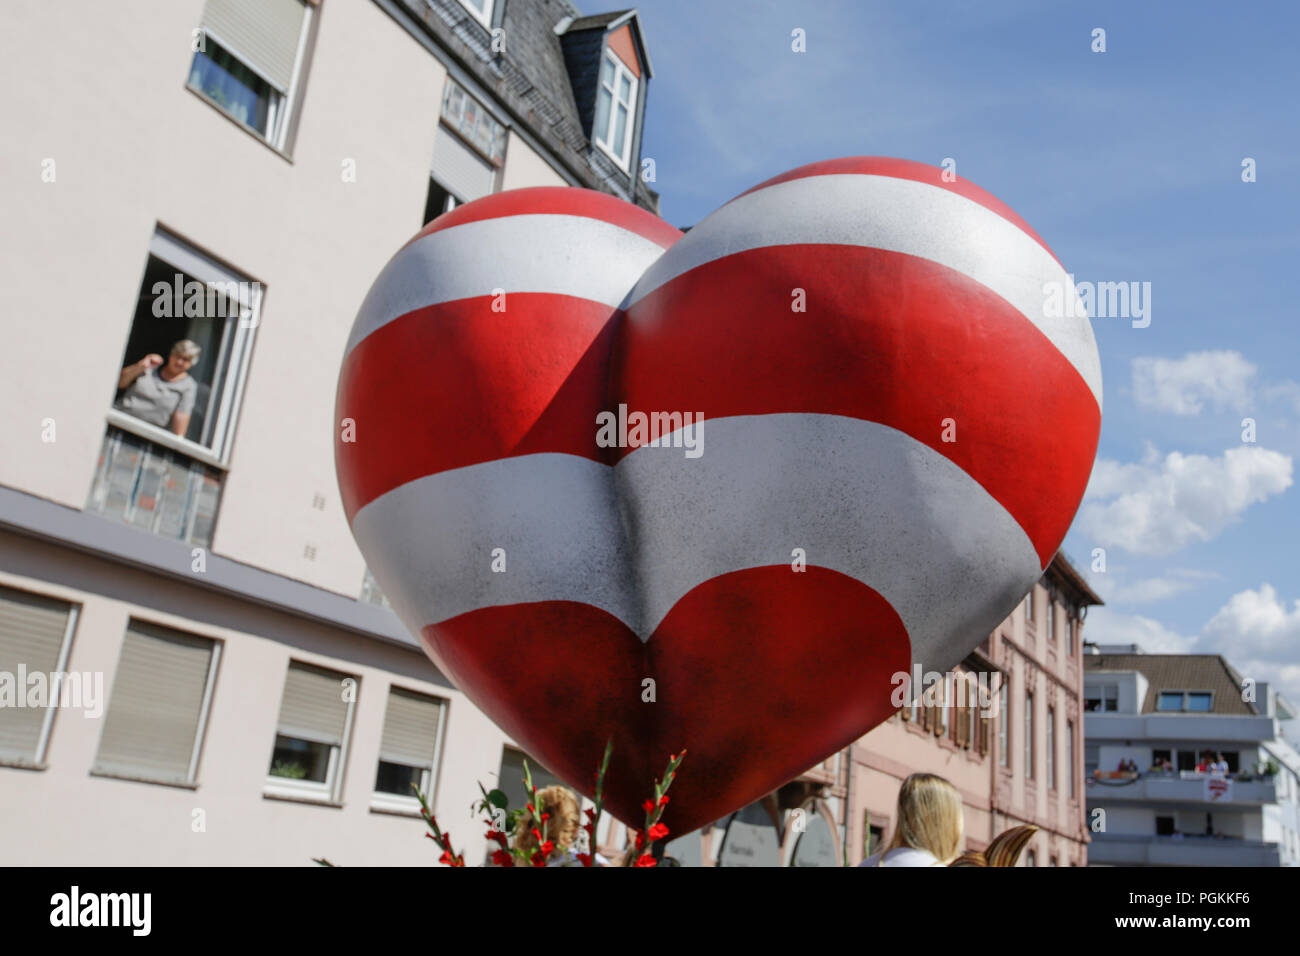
(408, 751)
(153, 725)
(35, 633)
(312, 733)
(249, 60)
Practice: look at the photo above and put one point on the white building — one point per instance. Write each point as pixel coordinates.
(1172, 716)
(259, 704)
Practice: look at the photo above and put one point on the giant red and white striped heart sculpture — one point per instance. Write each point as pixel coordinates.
(884, 398)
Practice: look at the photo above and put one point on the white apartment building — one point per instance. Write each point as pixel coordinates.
(1155, 725)
(235, 173)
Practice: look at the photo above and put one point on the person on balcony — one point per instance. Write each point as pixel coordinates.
(929, 829)
(161, 394)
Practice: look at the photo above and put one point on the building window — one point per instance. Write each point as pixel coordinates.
(153, 727)
(1071, 635)
(1069, 753)
(182, 372)
(510, 779)
(613, 128)
(1029, 606)
(1051, 618)
(248, 61)
(312, 733)
(438, 201)
(1004, 724)
(1194, 701)
(1103, 699)
(35, 634)
(481, 10)
(408, 751)
(1030, 858)
(1164, 826)
(1029, 735)
(475, 125)
(1051, 747)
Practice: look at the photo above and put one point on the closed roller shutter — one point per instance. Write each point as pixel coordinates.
(32, 629)
(462, 171)
(156, 705)
(262, 33)
(313, 707)
(410, 729)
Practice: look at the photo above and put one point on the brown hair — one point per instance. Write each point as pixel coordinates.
(562, 827)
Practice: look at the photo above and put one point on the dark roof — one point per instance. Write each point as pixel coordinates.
(529, 78)
(1069, 577)
(1179, 672)
(597, 20)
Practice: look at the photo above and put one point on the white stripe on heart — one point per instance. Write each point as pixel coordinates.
(563, 255)
(949, 559)
(898, 215)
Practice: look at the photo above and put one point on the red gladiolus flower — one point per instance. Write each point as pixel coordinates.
(502, 858)
(498, 836)
(537, 834)
(663, 801)
(585, 859)
(640, 839)
(546, 848)
(445, 858)
(647, 860)
(658, 831)
(531, 808)
(545, 817)
(590, 812)
(648, 806)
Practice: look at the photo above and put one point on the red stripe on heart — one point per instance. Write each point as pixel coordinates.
(906, 169)
(888, 338)
(557, 201)
(457, 384)
(760, 674)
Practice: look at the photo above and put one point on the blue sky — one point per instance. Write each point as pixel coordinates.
(1129, 164)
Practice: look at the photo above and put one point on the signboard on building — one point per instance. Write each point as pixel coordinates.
(816, 846)
(1218, 790)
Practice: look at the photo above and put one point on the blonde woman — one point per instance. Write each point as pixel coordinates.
(929, 829)
(561, 828)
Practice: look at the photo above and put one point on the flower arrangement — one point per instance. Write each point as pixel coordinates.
(510, 829)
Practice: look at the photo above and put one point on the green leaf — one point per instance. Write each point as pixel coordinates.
(498, 799)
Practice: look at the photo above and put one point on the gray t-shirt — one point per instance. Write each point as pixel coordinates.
(155, 400)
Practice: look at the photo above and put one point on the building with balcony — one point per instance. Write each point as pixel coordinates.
(233, 174)
(1185, 764)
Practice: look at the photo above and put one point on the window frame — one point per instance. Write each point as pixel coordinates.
(484, 18)
(604, 139)
(381, 800)
(1004, 730)
(237, 343)
(1069, 746)
(1029, 605)
(1051, 619)
(286, 100)
(60, 666)
(205, 705)
(331, 790)
(1185, 697)
(1029, 735)
(1051, 747)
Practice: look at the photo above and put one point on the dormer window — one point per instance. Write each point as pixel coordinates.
(615, 109)
(481, 10)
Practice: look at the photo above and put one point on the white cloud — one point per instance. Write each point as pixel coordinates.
(1184, 386)
(1257, 623)
(1105, 626)
(1156, 507)
(1149, 590)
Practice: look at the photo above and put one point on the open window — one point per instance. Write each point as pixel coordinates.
(248, 61)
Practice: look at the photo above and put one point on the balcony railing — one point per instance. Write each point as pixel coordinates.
(1185, 787)
(155, 489)
(1122, 849)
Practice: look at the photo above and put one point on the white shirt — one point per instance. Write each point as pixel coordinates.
(902, 856)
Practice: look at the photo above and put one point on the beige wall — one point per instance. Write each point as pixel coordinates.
(133, 147)
(63, 815)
